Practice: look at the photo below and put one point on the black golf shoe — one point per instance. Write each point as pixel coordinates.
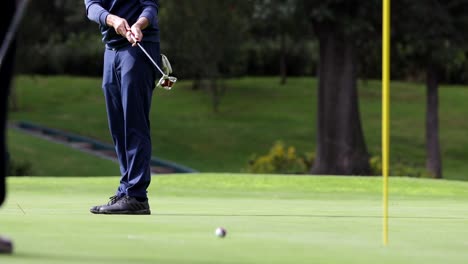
(112, 200)
(126, 205)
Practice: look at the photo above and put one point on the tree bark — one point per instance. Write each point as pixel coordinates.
(341, 149)
(218, 89)
(14, 106)
(433, 160)
(283, 67)
(196, 84)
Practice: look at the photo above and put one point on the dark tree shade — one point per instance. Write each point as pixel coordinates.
(205, 37)
(430, 36)
(341, 27)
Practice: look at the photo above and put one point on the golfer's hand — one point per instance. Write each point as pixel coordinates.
(119, 24)
(134, 35)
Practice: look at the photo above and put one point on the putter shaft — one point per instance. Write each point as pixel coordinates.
(149, 56)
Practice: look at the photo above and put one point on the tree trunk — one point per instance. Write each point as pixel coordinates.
(196, 84)
(283, 67)
(217, 89)
(13, 100)
(341, 149)
(433, 161)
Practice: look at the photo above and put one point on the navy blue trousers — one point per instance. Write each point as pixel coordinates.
(128, 84)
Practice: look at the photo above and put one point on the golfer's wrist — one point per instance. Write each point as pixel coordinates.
(142, 23)
(110, 20)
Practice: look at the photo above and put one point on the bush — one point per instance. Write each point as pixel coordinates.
(263, 58)
(80, 54)
(19, 168)
(284, 160)
(398, 169)
(281, 160)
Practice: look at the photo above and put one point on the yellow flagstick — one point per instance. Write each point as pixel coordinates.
(385, 112)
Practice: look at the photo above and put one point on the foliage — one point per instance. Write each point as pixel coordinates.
(80, 54)
(204, 37)
(57, 38)
(19, 168)
(276, 21)
(280, 160)
(204, 40)
(263, 57)
(238, 32)
(443, 42)
(399, 168)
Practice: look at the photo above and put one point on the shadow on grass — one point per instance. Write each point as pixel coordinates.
(66, 258)
(318, 216)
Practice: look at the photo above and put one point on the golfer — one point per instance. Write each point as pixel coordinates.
(128, 84)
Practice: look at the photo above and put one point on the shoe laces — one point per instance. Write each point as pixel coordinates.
(126, 198)
(113, 199)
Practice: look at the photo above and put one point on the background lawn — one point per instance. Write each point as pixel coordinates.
(254, 113)
(44, 157)
(270, 219)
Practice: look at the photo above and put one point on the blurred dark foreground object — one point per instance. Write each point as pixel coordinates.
(9, 22)
(6, 246)
(6, 72)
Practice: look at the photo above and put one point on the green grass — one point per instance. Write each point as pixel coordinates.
(254, 114)
(270, 219)
(47, 158)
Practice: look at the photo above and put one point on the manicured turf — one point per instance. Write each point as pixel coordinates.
(48, 158)
(270, 219)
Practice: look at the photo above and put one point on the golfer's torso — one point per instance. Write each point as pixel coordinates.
(130, 10)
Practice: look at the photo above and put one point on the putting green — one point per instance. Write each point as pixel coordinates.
(269, 219)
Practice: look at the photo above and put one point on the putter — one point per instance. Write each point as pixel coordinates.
(20, 10)
(166, 81)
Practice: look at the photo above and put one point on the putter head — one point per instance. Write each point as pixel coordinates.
(167, 82)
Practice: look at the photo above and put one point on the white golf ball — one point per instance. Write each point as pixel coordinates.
(220, 232)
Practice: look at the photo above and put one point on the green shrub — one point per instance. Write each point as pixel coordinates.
(80, 54)
(19, 168)
(284, 159)
(280, 159)
(398, 169)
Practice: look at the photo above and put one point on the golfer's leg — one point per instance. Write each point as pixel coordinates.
(115, 114)
(138, 81)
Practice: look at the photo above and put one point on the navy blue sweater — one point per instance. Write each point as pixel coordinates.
(131, 10)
